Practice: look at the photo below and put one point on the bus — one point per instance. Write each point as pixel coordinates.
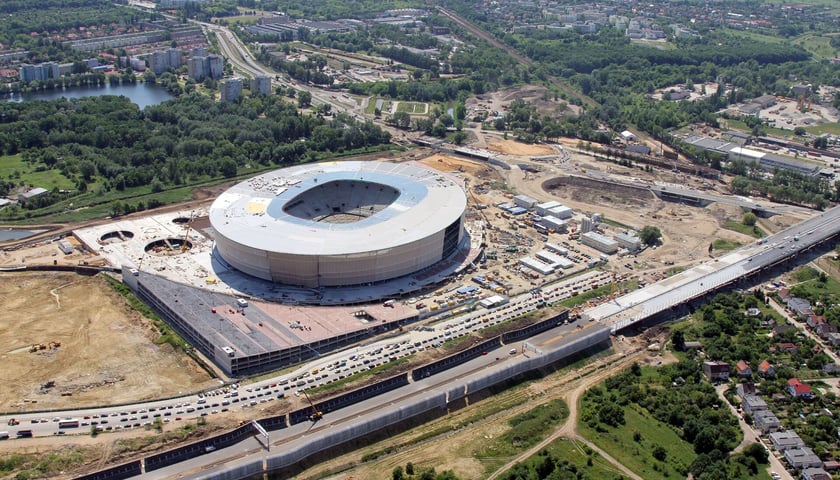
(72, 423)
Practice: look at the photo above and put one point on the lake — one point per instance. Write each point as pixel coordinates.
(142, 94)
(9, 234)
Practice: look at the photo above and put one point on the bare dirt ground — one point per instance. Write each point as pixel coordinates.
(512, 147)
(446, 163)
(538, 96)
(106, 354)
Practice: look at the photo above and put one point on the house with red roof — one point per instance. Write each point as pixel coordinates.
(787, 347)
(743, 369)
(766, 369)
(799, 389)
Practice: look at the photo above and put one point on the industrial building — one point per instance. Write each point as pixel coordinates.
(536, 265)
(628, 241)
(340, 223)
(543, 208)
(561, 211)
(599, 242)
(553, 223)
(524, 201)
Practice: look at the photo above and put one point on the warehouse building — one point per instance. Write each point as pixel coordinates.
(524, 201)
(543, 208)
(629, 241)
(599, 242)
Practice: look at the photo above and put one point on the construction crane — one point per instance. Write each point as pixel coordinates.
(316, 414)
(613, 286)
(185, 242)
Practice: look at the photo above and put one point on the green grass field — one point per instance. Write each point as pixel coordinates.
(725, 245)
(832, 4)
(576, 454)
(809, 281)
(413, 108)
(817, 45)
(739, 227)
(637, 456)
(830, 128)
(14, 166)
(371, 107)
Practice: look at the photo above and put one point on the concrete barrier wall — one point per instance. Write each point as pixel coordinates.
(535, 328)
(363, 393)
(273, 423)
(599, 334)
(456, 359)
(350, 398)
(239, 472)
(195, 449)
(334, 437)
(118, 472)
(456, 393)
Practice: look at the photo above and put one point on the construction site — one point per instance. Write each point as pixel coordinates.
(519, 253)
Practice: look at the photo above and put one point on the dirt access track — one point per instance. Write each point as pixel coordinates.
(107, 354)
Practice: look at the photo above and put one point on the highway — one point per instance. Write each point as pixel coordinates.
(713, 274)
(244, 62)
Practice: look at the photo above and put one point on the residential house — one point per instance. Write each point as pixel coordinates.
(800, 307)
(766, 422)
(743, 369)
(823, 329)
(833, 339)
(753, 403)
(784, 295)
(831, 368)
(787, 347)
(744, 389)
(766, 369)
(752, 312)
(831, 465)
(802, 457)
(815, 474)
(814, 320)
(767, 322)
(799, 389)
(786, 440)
(716, 371)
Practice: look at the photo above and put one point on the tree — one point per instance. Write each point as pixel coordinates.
(227, 167)
(659, 453)
(678, 340)
(758, 452)
(459, 137)
(650, 235)
(397, 474)
(304, 99)
(749, 219)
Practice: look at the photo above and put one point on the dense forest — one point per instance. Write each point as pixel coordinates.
(107, 142)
